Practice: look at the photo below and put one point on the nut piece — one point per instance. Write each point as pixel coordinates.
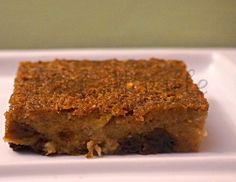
(98, 150)
(49, 148)
(91, 146)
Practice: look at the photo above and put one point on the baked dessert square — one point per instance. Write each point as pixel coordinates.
(105, 107)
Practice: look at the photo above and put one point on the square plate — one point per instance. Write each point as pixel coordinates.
(214, 70)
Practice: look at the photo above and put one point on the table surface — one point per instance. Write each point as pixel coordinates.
(47, 24)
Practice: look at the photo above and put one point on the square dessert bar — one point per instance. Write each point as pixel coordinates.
(105, 107)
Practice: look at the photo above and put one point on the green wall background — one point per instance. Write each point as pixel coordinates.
(29, 24)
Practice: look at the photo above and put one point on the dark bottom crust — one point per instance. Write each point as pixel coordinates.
(156, 141)
(36, 147)
(19, 148)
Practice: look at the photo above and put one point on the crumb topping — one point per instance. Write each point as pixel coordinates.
(119, 88)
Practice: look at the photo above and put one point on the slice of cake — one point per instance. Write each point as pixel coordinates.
(105, 107)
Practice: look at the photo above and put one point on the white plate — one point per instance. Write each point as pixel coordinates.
(214, 70)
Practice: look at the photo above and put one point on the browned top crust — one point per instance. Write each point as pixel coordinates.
(131, 87)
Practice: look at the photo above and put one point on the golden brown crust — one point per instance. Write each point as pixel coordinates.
(111, 86)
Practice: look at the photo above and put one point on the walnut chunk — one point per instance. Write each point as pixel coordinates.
(92, 146)
(49, 148)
